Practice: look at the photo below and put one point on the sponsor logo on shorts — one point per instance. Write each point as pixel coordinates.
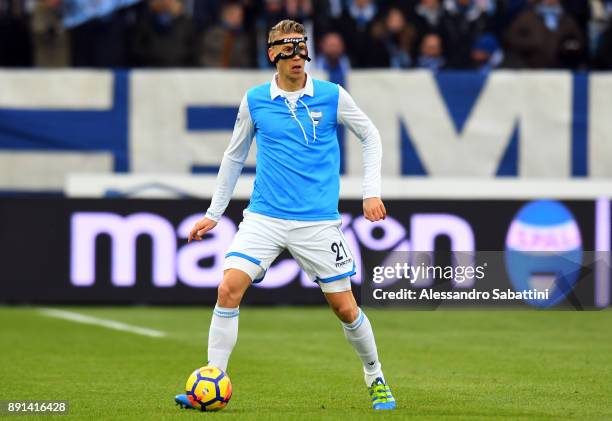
(344, 262)
(342, 257)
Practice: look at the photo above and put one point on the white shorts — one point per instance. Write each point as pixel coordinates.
(318, 247)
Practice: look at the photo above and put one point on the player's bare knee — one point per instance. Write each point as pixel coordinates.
(232, 288)
(228, 295)
(346, 312)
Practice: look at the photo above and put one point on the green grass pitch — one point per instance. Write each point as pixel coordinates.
(294, 363)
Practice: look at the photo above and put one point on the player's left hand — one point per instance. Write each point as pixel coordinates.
(374, 209)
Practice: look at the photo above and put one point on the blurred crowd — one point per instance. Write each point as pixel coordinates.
(434, 34)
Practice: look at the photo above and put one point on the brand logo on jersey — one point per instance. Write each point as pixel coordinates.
(316, 117)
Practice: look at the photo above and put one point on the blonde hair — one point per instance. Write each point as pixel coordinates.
(286, 26)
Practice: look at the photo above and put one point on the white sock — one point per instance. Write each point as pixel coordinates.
(359, 333)
(222, 336)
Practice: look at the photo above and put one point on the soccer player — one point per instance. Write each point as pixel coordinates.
(294, 204)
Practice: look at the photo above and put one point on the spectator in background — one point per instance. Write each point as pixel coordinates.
(544, 36)
(355, 24)
(272, 13)
(487, 6)
(203, 13)
(486, 53)
(206, 13)
(15, 38)
(603, 43)
(50, 38)
(99, 40)
(299, 10)
(332, 58)
(427, 16)
(323, 16)
(393, 40)
(598, 24)
(603, 55)
(431, 55)
(580, 10)
(226, 44)
(165, 37)
(462, 23)
(606, 5)
(507, 10)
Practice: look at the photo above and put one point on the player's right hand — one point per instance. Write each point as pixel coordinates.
(200, 228)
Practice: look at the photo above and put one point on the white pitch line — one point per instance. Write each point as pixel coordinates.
(110, 324)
